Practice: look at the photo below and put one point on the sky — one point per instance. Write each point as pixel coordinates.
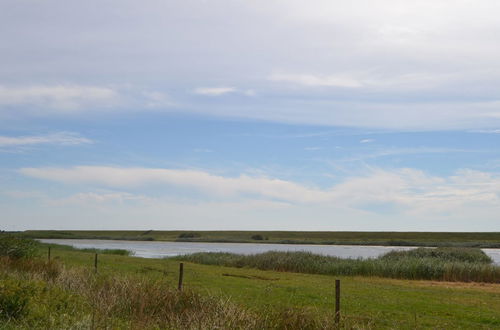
(250, 115)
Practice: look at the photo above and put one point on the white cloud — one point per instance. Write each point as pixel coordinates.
(369, 80)
(384, 152)
(399, 64)
(136, 177)
(214, 91)
(66, 98)
(60, 138)
(101, 198)
(403, 115)
(399, 199)
(317, 80)
(367, 141)
(409, 189)
(249, 92)
(219, 91)
(487, 131)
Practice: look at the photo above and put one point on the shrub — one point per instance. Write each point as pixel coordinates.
(258, 237)
(14, 298)
(16, 248)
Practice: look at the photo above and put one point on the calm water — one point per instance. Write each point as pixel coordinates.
(168, 249)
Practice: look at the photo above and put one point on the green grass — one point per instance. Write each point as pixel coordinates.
(483, 240)
(15, 247)
(367, 302)
(441, 264)
(120, 252)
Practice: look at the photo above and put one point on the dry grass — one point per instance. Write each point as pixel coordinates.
(134, 302)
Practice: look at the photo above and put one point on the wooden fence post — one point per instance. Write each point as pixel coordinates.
(95, 263)
(181, 275)
(337, 301)
(48, 255)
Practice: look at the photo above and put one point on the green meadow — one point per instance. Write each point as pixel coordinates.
(484, 240)
(130, 292)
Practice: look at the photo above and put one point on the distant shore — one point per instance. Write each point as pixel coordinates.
(423, 239)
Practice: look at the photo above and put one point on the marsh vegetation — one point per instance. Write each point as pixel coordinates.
(442, 264)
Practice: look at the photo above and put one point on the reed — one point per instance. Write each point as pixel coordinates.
(441, 264)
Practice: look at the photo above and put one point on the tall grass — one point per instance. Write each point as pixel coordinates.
(457, 254)
(36, 294)
(441, 264)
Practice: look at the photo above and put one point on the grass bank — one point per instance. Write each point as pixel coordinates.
(481, 240)
(440, 264)
(36, 295)
(67, 296)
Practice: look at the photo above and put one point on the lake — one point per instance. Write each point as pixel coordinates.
(146, 249)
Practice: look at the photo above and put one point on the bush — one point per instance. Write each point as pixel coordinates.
(258, 237)
(14, 298)
(16, 248)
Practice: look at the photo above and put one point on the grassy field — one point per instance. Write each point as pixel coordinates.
(367, 302)
(355, 238)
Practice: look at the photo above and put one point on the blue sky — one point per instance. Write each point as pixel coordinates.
(250, 115)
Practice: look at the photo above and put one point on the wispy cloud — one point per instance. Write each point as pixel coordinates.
(200, 180)
(214, 91)
(60, 138)
(102, 198)
(156, 99)
(410, 189)
(220, 91)
(487, 131)
(316, 80)
(367, 141)
(60, 97)
(203, 150)
(385, 152)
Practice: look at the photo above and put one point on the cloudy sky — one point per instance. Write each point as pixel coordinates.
(232, 114)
